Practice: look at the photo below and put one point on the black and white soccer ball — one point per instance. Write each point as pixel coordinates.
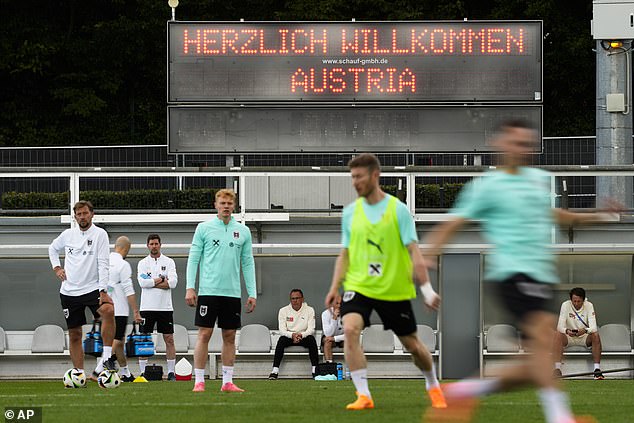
(74, 378)
(109, 379)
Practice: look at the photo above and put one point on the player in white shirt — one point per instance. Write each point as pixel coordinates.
(577, 326)
(332, 329)
(121, 291)
(156, 275)
(84, 282)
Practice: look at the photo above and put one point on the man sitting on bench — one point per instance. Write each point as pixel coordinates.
(577, 326)
(297, 327)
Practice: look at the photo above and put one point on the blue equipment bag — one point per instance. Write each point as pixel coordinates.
(139, 344)
(93, 344)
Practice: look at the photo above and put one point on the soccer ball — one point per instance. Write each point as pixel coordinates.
(74, 378)
(109, 379)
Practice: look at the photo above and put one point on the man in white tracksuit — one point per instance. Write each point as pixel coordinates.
(156, 275)
(84, 282)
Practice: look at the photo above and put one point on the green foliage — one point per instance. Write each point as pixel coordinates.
(187, 199)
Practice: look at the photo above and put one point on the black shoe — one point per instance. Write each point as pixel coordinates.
(273, 376)
(598, 375)
(557, 373)
(171, 376)
(127, 378)
(111, 364)
(314, 375)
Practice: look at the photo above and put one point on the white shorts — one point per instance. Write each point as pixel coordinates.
(577, 341)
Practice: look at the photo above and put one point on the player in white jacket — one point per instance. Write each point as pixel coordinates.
(577, 326)
(84, 279)
(333, 329)
(156, 275)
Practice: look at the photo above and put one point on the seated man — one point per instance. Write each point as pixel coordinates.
(333, 330)
(297, 326)
(577, 326)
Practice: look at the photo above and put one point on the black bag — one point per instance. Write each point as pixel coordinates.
(324, 369)
(153, 372)
(93, 344)
(139, 344)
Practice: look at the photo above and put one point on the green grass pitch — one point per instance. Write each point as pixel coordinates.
(298, 401)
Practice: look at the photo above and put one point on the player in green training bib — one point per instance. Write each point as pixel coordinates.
(377, 265)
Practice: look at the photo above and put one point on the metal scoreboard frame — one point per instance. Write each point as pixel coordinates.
(293, 78)
(460, 61)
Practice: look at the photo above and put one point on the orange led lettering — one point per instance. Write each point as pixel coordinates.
(324, 79)
(378, 50)
(229, 37)
(366, 42)
(518, 41)
(336, 79)
(187, 41)
(457, 36)
(491, 41)
(476, 36)
(264, 50)
(416, 41)
(299, 79)
(207, 40)
(323, 41)
(283, 48)
(395, 49)
(244, 49)
(295, 43)
(407, 79)
(390, 80)
(345, 45)
(373, 81)
(355, 72)
(436, 46)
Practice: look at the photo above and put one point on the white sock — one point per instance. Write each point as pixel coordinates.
(124, 371)
(107, 352)
(142, 364)
(200, 375)
(431, 380)
(227, 374)
(360, 380)
(472, 388)
(170, 365)
(558, 365)
(597, 366)
(313, 369)
(555, 405)
(99, 367)
(275, 370)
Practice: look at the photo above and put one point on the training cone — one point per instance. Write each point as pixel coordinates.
(140, 379)
(183, 370)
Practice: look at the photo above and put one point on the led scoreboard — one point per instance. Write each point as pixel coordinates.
(416, 86)
(356, 61)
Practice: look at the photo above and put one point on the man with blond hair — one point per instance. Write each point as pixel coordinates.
(220, 247)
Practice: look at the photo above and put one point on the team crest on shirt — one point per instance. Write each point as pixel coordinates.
(375, 269)
(163, 267)
(203, 310)
(289, 318)
(89, 242)
(236, 235)
(231, 244)
(66, 313)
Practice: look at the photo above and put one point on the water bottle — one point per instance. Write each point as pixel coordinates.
(339, 371)
(347, 373)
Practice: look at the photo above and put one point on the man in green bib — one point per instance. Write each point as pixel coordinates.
(378, 264)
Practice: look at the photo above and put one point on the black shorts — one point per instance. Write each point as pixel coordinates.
(212, 307)
(164, 321)
(395, 315)
(75, 308)
(120, 323)
(522, 295)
